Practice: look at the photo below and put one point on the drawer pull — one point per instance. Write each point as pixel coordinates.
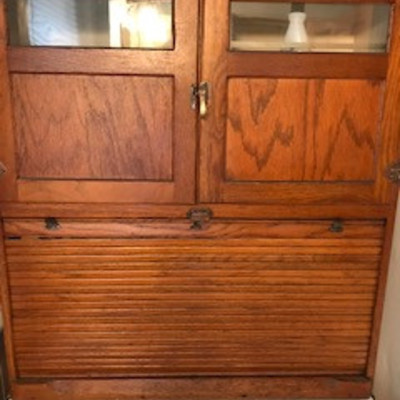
(337, 226)
(52, 224)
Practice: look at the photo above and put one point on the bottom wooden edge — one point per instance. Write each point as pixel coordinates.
(196, 389)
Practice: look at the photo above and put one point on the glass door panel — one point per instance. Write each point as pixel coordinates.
(143, 24)
(343, 28)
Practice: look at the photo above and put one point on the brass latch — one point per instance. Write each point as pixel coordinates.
(393, 172)
(200, 97)
(199, 216)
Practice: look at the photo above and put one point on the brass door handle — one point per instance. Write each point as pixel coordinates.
(204, 97)
(199, 98)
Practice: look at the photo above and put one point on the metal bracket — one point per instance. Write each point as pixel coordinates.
(199, 216)
(52, 224)
(336, 226)
(393, 172)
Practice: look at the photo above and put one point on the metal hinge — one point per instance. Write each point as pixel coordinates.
(3, 169)
(199, 216)
(199, 98)
(393, 172)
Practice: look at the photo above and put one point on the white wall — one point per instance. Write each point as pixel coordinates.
(387, 377)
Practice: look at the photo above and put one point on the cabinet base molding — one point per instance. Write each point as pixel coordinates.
(196, 388)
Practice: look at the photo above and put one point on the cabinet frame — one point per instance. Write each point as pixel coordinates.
(43, 199)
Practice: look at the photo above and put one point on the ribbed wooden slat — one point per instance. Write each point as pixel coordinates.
(294, 302)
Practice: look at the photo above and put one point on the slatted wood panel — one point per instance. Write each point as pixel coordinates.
(93, 127)
(290, 303)
(302, 129)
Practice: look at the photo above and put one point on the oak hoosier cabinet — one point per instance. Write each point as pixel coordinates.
(197, 196)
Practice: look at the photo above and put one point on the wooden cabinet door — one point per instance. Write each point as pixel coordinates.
(128, 298)
(99, 124)
(296, 127)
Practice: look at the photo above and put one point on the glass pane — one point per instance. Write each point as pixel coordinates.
(257, 26)
(91, 23)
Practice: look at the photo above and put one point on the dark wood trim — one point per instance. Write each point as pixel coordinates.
(7, 146)
(281, 65)
(196, 389)
(6, 308)
(245, 211)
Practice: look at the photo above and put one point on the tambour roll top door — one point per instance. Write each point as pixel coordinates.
(114, 299)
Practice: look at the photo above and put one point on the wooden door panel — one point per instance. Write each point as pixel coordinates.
(266, 129)
(100, 125)
(302, 130)
(325, 135)
(93, 127)
(234, 299)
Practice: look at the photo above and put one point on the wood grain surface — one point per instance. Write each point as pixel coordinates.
(302, 130)
(226, 211)
(123, 168)
(6, 309)
(314, 230)
(7, 140)
(214, 388)
(257, 304)
(390, 147)
(225, 175)
(311, 65)
(388, 191)
(288, 303)
(93, 127)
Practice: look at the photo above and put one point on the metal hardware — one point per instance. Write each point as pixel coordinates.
(194, 97)
(204, 96)
(393, 172)
(52, 224)
(199, 216)
(337, 226)
(3, 169)
(199, 98)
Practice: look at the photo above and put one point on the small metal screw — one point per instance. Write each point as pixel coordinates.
(336, 226)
